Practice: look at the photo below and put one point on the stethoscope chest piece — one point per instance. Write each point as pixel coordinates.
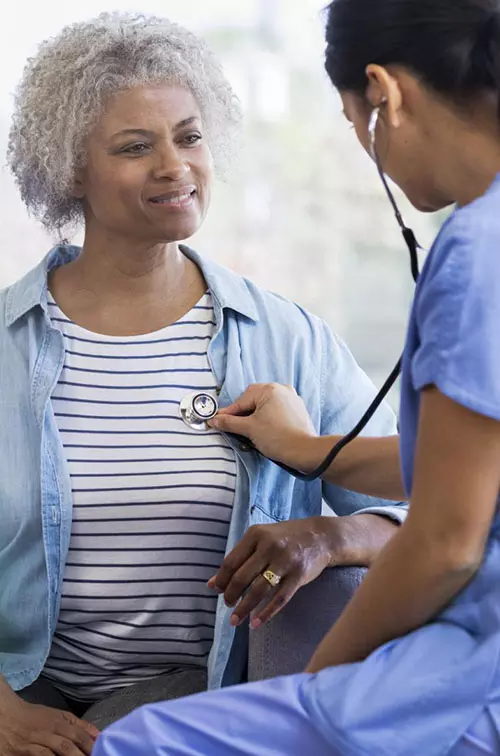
(197, 408)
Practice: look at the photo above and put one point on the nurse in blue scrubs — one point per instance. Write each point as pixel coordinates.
(412, 667)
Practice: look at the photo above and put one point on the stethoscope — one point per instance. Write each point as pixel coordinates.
(198, 408)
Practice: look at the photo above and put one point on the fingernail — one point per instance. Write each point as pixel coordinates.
(255, 623)
(235, 620)
(213, 422)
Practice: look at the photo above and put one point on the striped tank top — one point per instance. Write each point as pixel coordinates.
(152, 502)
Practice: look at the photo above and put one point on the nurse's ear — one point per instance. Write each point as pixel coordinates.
(384, 87)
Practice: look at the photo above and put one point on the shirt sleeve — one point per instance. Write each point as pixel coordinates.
(457, 314)
(346, 393)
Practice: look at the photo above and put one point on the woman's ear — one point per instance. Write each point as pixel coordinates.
(384, 89)
(78, 184)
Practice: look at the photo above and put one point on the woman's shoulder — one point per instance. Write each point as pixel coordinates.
(22, 295)
(243, 295)
(10, 297)
(289, 311)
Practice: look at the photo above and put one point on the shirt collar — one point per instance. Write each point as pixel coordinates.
(228, 289)
(31, 290)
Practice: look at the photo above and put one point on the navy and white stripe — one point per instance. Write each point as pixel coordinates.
(152, 501)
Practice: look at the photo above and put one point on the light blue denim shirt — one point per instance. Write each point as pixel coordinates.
(259, 337)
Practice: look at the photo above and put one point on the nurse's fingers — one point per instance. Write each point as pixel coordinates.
(247, 402)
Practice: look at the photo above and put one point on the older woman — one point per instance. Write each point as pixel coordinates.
(116, 515)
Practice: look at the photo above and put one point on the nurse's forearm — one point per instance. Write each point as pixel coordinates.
(367, 466)
(411, 582)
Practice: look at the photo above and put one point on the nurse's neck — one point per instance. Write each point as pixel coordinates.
(466, 148)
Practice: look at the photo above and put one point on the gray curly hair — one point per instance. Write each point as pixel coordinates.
(65, 87)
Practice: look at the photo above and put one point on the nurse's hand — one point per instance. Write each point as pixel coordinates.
(30, 730)
(274, 418)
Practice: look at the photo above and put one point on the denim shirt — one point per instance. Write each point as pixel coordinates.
(259, 337)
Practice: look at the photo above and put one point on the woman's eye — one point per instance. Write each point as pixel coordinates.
(136, 149)
(192, 139)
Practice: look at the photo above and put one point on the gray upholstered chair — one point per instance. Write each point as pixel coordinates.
(286, 644)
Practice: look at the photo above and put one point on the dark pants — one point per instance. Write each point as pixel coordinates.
(180, 682)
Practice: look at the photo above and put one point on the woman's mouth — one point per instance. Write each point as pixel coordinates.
(179, 200)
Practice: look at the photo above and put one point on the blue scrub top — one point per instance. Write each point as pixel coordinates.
(417, 695)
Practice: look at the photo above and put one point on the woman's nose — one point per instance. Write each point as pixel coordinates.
(171, 165)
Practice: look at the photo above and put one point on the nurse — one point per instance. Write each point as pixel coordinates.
(412, 667)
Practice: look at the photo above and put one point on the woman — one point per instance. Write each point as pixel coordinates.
(115, 513)
(412, 667)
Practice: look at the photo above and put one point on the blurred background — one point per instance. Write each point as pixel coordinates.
(304, 213)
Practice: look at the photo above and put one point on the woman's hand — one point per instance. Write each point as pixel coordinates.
(296, 551)
(30, 730)
(275, 420)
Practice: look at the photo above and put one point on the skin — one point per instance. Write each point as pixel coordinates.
(438, 154)
(29, 730)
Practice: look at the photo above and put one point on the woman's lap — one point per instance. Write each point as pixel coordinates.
(43, 693)
(179, 682)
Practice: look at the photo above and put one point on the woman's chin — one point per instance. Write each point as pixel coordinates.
(177, 233)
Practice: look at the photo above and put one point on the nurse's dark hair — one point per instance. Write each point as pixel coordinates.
(452, 45)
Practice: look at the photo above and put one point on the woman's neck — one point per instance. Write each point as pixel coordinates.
(125, 289)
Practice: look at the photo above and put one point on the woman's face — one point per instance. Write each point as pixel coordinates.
(148, 171)
(404, 143)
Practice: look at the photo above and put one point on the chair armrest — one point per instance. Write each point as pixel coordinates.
(285, 645)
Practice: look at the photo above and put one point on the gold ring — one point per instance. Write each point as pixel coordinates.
(272, 578)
